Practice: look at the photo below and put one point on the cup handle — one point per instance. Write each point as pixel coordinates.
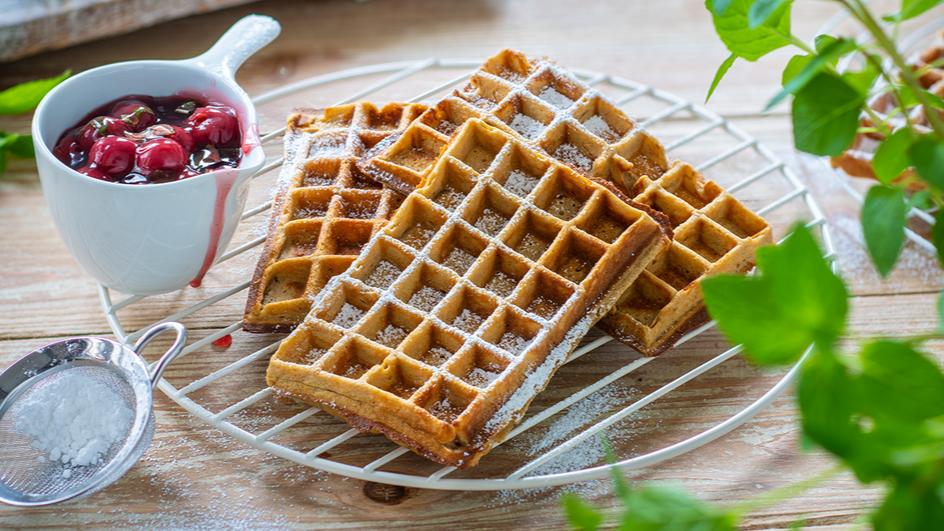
(172, 353)
(244, 38)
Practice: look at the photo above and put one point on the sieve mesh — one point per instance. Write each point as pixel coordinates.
(28, 471)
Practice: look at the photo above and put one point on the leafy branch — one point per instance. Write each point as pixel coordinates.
(20, 99)
(879, 411)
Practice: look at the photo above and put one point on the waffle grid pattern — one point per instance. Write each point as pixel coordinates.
(553, 111)
(325, 209)
(458, 313)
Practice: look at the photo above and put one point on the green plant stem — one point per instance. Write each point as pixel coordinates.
(798, 42)
(891, 84)
(861, 13)
(772, 497)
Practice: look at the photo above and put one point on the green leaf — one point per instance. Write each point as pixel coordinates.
(722, 70)
(827, 403)
(761, 10)
(937, 235)
(25, 97)
(891, 157)
(940, 312)
(927, 155)
(909, 508)
(663, 507)
(793, 301)
(731, 24)
(580, 514)
(832, 51)
(795, 65)
(3, 162)
(862, 80)
(826, 115)
(884, 214)
(719, 7)
(19, 145)
(911, 9)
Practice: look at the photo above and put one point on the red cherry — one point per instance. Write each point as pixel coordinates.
(99, 127)
(213, 125)
(66, 148)
(173, 132)
(161, 154)
(113, 154)
(93, 172)
(223, 342)
(135, 113)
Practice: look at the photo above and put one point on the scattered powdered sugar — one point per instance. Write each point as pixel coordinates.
(383, 275)
(490, 222)
(555, 98)
(480, 377)
(327, 146)
(426, 298)
(598, 126)
(467, 320)
(520, 183)
(538, 377)
(348, 316)
(391, 335)
(572, 156)
(526, 126)
(513, 343)
(74, 418)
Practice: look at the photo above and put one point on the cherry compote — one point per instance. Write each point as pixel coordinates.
(144, 140)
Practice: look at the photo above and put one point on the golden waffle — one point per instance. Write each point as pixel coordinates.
(324, 210)
(713, 233)
(532, 99)
(553, 111)
(857, 160)
(459, 312)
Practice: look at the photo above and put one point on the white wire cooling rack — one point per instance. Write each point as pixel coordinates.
(914, 42)
(765, 173)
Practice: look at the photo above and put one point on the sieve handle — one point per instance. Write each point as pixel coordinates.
(175, 350)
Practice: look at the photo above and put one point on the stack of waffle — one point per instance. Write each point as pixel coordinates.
(857, 160)
(534, 209)
(552, 111)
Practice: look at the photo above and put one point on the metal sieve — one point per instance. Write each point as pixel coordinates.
(27, 476)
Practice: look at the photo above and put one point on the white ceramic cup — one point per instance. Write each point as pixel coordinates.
(153, 238)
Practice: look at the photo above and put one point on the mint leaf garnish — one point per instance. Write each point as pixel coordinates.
(911, 9)
(731, 24)
(826, 115)
(830, 53)
(761, 11)
(722, 70)
(891, 157)
(793, 301)
(884, 213)
(927, 155)
(580, 514)
(25, 97)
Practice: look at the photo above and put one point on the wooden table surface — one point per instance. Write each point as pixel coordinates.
(195, 477)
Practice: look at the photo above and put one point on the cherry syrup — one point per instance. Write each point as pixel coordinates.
(145, 140)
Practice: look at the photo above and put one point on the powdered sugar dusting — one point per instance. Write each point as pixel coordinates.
(520, 183)
(598, 126)
(526, 126)
(480, 377)
(426, 298)
(555, 98)
(348, 316)
(572, 156)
